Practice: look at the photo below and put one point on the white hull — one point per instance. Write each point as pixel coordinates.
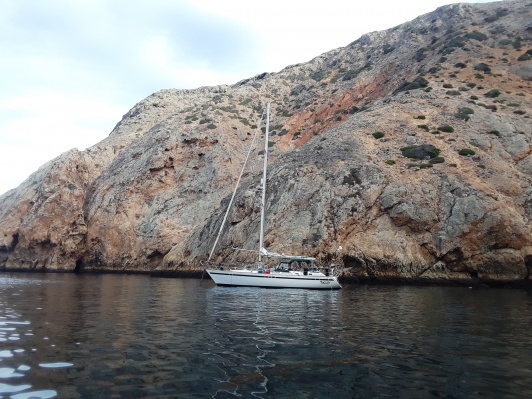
(273, 280)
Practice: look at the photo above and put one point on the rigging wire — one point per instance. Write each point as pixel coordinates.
(236, 186)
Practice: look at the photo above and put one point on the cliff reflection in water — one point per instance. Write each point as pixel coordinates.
(135, 336)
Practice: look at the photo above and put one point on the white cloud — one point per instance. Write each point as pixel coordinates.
(41, 125)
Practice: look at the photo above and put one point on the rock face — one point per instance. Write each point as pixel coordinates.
(410, 148)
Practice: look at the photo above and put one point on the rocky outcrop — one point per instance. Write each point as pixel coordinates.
(410, 148)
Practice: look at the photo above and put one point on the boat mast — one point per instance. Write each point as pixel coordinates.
(263, 200)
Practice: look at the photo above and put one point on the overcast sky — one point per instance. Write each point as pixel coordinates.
(70, 69)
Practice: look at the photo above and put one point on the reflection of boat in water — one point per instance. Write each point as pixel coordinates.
(290, 272)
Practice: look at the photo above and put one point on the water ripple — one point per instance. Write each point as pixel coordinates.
(133, 336)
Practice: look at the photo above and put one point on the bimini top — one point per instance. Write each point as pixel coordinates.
(292, 258)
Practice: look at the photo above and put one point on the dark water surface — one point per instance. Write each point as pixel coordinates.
(119, 336)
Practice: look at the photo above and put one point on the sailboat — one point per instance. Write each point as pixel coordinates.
(291, 271)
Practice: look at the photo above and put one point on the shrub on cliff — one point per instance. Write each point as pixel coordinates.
(437, 160)
(493, 93)
(526, 56)
(318, 75)
(446, 129)
(501, 12)
(466, 151)
(476, 35)
(463, 113)
(418, 83)
(423, 151)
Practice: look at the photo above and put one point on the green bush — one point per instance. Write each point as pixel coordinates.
(501, 12)
(420, 151)
(473, 98)
(446, 129)
(476, 35)
(424, 127)
(390, 162)
(378, 135)
(419, 117)
(387, 49)
(519, 112)
(495, 132)
(420, 55)
(466, 110)
(463, 113)
(318, 75)
(466, 152)
(211, 126)
(418, 83)
(493, 93)
(526, 56)
(437, 160)
(447, 86)
(352, 73)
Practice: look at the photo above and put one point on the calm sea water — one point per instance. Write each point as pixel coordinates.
(119, 336)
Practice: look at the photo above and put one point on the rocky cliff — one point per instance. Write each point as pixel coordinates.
(410, 148)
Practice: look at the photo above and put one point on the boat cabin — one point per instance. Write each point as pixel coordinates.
(303, 265)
